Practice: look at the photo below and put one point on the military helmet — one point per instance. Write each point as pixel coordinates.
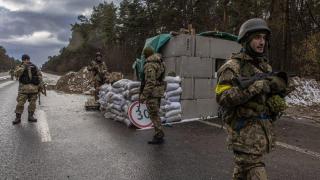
(148, 51)
(98, 54)
(250, 26)
(25, 57)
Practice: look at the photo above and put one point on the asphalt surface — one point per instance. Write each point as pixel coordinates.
(70, 143)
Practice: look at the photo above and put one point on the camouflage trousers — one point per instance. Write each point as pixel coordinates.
(97, 85)
(153, 107)
(22, 98)
(248, 167)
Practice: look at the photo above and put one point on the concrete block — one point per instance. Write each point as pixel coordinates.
(204, 88)
(170, 64)
(189, 67)
(181, 45)
(207, 107)
(220, 48)
(187, 85)
(189, 109)
(202, 46)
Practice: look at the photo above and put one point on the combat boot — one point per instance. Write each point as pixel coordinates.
(17, 120)
(31, 118)
(156, 140)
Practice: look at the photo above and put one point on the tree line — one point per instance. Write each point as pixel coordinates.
(119, 31)
(6, 62)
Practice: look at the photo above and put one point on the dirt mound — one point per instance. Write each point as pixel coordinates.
(75, 82)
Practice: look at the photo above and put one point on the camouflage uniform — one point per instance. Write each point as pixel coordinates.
(99, 71)
(11, 72)
(30, 79)
(153, 90)
(247, 115)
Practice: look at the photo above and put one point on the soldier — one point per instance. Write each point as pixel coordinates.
(11, 72)
(30, 78)
(152, 89)
(99, 71)
(250, 112)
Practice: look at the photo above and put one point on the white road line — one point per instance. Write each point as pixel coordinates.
(281, 144)
(6, 83)
(42, 126)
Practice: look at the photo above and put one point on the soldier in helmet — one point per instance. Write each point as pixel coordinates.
(250, 113)
(30, 78)
(99, 71)
(152, 89)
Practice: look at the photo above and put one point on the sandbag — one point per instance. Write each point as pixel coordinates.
(173, 113)
(170, 79)
(176, 92)
(172, 86)
(174, 99)
(135, 98)
(121, 83)
(118, 90)
(133, 85)
(172, 106)
(174, 118)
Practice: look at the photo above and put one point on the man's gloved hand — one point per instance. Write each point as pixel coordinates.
(142, 99)
(260, 86)
(277, 85)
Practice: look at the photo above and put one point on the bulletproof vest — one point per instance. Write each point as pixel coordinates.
(30, 75)
(160, 78)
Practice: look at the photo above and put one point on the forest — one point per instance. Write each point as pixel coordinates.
(120, 30)
(6, 62)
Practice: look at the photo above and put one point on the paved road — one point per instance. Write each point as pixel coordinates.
(69, 143)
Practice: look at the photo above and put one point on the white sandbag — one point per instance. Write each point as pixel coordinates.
(133, 84)
(173, 113)
(135, 97)
(118, 90)
(172, 86)
(134, 91)
(116, 97)
(163, 119)
(172, 106)
(125, 109)
(174, 118)
(176, 92)
(115, 111)
(117, 107)
(170, 79)
(121, 83)
(109, 115)
(127, 122)
(174, 99)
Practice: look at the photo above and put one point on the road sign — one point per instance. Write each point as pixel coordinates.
(139, 116)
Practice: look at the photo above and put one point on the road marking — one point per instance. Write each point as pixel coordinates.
(6, 83)
(42, 126)
(281, 144)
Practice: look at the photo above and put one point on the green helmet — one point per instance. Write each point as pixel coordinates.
(250, 26)
(148, 51)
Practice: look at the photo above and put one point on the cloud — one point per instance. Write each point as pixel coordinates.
(37, 38)
(40, 27)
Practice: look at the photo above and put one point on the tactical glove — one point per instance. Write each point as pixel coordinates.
(260, 86)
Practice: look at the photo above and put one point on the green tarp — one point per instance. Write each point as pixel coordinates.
(156, 43)
(221, 35)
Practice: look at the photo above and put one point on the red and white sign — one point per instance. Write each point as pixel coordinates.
(139, 116)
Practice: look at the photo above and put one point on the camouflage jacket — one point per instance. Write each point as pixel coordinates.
(99, 71)
(247, 133)
(154, 70)
(28, 88)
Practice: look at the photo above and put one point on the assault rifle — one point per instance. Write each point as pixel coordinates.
(245, 82)
(42, 90)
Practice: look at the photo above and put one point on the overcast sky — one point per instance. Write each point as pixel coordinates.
(39, 28)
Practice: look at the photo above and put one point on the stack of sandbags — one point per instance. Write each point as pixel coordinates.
(115, 100)
(171, 106)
